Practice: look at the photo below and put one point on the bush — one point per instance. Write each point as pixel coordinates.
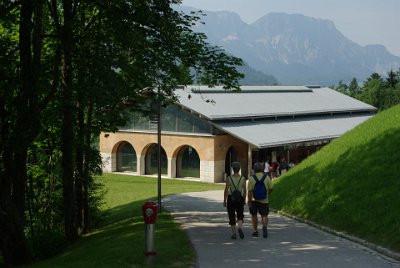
(47, 244)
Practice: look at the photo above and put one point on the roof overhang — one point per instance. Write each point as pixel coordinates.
(272, 133)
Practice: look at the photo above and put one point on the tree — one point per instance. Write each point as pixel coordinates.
(342, 87)
(381, 93)
(354, 88)
(69, 58)
(393, 79)
(20, 114)
(162, 41)
(392, 94)
(373, 91)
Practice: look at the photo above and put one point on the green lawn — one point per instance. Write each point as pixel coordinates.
(120, 240)
(351, 185)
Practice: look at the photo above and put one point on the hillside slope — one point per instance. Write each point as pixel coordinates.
(351, 185)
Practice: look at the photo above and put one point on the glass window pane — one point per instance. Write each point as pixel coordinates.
(126, 158)
(201, 126)
(152, 161)
(185, 123)
(141, 122)
(168, 118)
(173, 119)
(190, 163)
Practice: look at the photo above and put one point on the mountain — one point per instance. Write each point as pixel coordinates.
(253, 77)
(296, 49)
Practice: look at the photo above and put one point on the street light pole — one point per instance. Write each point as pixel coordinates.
(159, 146)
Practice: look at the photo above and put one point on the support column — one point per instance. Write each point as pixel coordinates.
(141, 167)
(106, 161)
(113, 162)
(172, 167)
(250, 159)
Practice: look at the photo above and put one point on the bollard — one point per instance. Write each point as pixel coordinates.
(149, 215)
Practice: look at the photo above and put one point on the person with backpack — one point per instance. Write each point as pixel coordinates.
(234, 200)
(259, 188)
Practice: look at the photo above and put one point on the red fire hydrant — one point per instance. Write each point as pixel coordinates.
(149, 215)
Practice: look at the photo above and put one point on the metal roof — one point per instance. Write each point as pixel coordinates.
(267, 116)
(266, 101)
(270, 133)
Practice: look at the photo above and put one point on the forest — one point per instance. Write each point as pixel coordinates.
(68, 70)
(378, 91)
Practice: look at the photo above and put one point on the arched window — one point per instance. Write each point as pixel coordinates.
(126, 158)
(152, 161)
(188, 163)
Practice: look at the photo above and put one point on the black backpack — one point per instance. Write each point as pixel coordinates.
(236, 195)
(259, 191)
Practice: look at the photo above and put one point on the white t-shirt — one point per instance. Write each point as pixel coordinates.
(266, 167)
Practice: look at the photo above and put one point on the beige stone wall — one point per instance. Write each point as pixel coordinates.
(212, 151)
(222, 145)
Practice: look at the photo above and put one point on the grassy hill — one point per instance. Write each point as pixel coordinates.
(351, 185)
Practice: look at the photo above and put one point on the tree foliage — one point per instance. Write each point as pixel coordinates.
(377, 91)
(69, 69)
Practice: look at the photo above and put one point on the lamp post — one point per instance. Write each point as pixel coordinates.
(155, 108)
(159, 146)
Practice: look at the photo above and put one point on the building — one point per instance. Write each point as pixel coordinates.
(210, 128)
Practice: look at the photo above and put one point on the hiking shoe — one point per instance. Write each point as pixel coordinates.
(255, 234)
(265, 232)
(233, 236)
(241, 234)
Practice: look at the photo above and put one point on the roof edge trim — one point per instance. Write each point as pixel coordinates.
(246, 91)
(299, 114)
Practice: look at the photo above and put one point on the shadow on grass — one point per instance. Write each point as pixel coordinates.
(120, 242)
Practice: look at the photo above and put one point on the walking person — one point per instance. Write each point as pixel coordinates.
(259, 188)
(234, 200)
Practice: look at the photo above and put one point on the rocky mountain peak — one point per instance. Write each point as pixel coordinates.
(296, 49)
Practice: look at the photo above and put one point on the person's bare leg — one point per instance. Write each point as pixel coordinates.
(254, 221)
(265, 225)
(265, 220)
(233, 228)
(240, 229)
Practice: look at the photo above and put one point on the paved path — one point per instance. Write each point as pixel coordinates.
(290, 243)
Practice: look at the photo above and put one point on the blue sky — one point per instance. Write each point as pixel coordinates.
(362, 21)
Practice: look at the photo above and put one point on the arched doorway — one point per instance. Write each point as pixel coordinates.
(229, 158)
(151, 161)
(126, 158)
(188, 163)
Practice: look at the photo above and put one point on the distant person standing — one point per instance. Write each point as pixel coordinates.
(274, 170)
(283, 165)
(259, 188)
(291, 165)
(234, 200)
(267, 168)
